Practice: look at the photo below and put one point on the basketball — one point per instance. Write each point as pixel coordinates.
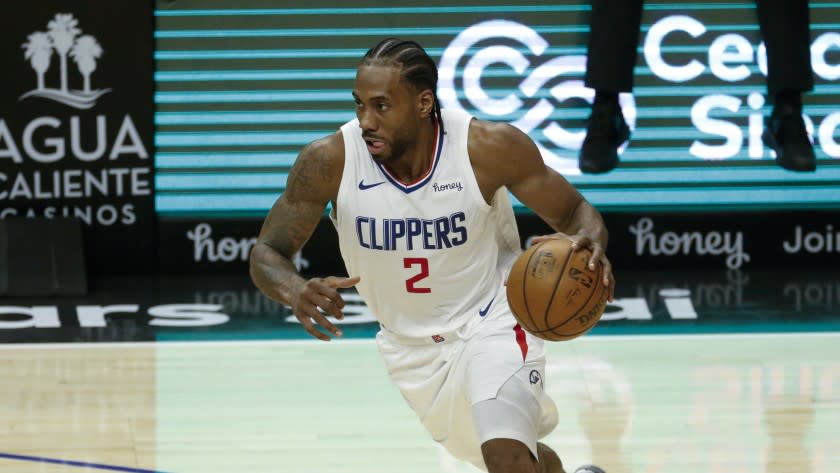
(553, 293)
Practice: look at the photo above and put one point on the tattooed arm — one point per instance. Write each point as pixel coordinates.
(503, 155)
(313, 182)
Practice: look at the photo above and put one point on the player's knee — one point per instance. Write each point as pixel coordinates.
(507, 456)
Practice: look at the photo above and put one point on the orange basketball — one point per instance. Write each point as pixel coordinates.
(553, 293)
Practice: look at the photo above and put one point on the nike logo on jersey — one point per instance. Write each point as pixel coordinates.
(363, 186)
(483, 311)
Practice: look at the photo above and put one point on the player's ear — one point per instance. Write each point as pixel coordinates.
(425, 103)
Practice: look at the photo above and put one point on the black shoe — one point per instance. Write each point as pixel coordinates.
(785, 133)
(589, 469)
(607, 131)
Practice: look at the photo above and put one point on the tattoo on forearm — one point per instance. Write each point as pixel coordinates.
(298, 226)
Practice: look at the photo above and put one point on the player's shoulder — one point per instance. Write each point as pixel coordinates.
(328, 148)
(495, 140)
(320, 164)
(327, 154)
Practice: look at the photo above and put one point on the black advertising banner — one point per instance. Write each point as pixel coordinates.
(76, 124)
(220, 246)
(638, 241)
(729, 241)
(806, 239)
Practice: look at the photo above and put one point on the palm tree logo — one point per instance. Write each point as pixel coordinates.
(85, 52)
(62, 37)
(38, 51)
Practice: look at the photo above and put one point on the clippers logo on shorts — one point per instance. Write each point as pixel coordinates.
(535, 377)
(438, 338)
(520, 47)
(392, 234)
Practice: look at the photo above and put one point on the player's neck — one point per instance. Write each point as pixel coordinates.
(417, 159)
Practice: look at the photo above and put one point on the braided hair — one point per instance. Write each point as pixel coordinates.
(418, 69)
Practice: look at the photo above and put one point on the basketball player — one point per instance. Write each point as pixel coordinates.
(419, 198)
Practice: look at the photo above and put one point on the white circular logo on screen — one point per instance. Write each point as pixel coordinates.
(530, 107)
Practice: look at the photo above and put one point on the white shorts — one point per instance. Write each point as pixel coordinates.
(445, 383)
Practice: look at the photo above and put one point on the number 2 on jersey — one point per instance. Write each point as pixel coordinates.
(424, 273)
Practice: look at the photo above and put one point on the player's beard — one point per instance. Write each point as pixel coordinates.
(394, 150)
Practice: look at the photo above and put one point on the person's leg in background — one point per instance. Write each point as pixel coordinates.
(785, 29)
(613, 40)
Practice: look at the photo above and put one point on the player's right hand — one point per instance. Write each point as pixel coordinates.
(317, 295)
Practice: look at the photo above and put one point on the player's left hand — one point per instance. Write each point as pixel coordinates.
(584, 240)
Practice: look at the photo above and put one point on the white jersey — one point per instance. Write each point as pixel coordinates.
(431, 254)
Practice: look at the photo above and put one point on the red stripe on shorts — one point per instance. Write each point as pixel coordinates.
(520, 339)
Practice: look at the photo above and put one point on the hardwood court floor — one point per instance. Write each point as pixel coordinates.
(648, 404)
